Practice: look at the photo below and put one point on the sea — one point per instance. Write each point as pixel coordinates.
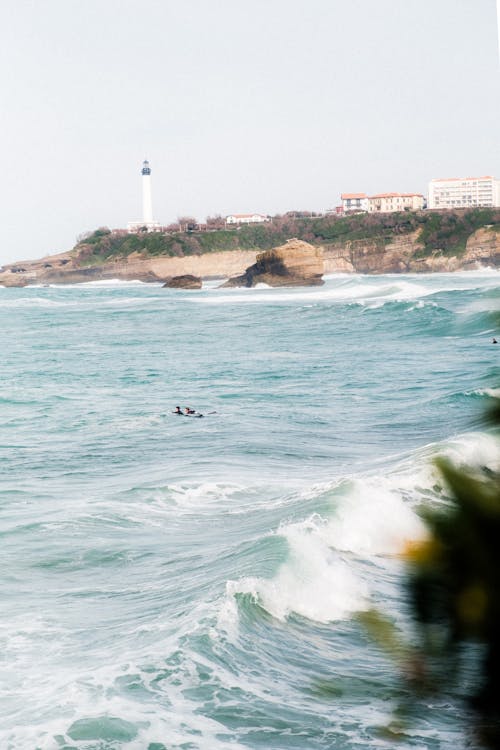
(172, 582)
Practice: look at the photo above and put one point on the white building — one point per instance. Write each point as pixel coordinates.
(146, 224)
(388, 202)
(246, 219)
(464, 192)
(354, 202)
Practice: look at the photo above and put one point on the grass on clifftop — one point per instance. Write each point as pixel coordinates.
(444, 232)
(449, 231)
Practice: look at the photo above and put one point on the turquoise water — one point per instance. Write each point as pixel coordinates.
(170, 582)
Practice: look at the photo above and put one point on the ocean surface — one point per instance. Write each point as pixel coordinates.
(171, 582)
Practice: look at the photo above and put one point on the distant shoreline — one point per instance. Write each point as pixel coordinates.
(409, 242)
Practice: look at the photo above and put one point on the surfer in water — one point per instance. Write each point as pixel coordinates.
(188, 412)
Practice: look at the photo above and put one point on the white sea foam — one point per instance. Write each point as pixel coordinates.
(197, 497)
(82, 691)
(359, 289)
(31, 302)
(459, 280)
(71, 303)
(205, 498)
(373, 518)
(155, 506)
(111, 282)
(87, 702)
(474, 449)
(492, 392)
(322, 578)
(315, 582)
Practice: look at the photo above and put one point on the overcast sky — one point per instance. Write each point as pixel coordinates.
(240, 106)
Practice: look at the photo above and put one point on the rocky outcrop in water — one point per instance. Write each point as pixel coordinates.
(188, 281)
(295, 263)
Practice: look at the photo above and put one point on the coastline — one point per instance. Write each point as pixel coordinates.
(396, 254)
(63, 271)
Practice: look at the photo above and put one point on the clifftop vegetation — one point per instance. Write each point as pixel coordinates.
(443, 231)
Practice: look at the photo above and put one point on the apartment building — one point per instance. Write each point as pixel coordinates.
(464, 192)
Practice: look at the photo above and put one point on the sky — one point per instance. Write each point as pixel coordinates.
(263, 106)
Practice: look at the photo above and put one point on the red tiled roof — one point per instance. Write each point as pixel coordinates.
(350, 196)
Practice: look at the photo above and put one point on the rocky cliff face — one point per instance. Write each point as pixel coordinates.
(394, 254)
(483, 249)
(295, 263)
(403, 254)
(65, 269)
(372, 256)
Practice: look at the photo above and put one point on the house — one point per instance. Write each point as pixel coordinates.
(136, 227)
(354, 202)
(246, 219)
(389, 202)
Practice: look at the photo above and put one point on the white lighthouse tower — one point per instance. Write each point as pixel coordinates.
(147, 203)
(147, 224)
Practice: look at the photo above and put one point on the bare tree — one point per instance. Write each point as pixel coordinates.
(187, 223)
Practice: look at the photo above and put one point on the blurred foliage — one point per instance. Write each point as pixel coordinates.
(454, 586)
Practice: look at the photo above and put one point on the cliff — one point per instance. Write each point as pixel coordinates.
(426, 241)
(64, 269)
(406, 254)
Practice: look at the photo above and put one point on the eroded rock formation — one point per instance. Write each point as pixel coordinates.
(187, 281)
(295, 263)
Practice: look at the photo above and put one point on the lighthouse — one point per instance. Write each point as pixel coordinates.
(147, 224)
(147, 203)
